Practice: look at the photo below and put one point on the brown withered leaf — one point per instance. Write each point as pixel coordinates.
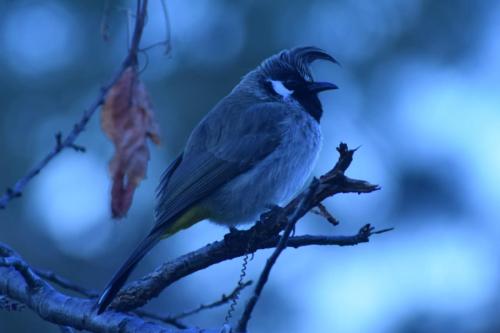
(127, 119)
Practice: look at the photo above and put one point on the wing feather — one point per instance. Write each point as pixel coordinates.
(219, 150)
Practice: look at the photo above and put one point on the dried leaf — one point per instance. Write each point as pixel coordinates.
(127, 119)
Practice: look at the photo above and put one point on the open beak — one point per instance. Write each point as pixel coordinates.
(317, 87)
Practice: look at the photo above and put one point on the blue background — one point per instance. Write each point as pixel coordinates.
(419, 91)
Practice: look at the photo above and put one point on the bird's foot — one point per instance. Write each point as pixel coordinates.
(233, 229)
(274, 210)
(233, 233)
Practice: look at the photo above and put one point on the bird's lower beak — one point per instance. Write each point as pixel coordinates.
(317, 87)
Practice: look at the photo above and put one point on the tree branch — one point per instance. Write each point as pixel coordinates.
(322, 211)
(301, 209)
(167, 42)
(302, 206)
(69, 140)
(264, 234)
(69, 285)
(175, 319)
(65, 283)
(223, 300)
(20, 284)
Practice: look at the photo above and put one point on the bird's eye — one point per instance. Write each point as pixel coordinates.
(291, 84)
(280, 89)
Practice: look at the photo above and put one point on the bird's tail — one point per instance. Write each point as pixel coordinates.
(121, 276)
(161, 231)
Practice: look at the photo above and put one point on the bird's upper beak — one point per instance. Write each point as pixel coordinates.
(317, 87)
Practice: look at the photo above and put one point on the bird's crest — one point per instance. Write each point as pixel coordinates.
(297, 59)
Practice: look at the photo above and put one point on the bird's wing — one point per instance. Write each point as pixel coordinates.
(165, 177)
(223, 146)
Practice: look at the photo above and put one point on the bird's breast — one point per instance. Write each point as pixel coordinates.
(275, 179)
(297, 154)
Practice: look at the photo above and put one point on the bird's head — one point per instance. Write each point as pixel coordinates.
(286, 76)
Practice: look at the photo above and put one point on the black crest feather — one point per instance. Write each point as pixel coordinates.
(297, 59)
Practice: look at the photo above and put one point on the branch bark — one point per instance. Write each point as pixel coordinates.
(18, 282)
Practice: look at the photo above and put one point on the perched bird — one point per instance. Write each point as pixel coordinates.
(255, 149)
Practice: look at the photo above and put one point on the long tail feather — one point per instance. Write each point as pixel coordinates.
(123, 273)
(161, 231)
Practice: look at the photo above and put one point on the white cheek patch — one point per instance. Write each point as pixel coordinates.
(280, 89)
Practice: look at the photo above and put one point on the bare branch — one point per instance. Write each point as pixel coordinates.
(60, 144)
(65, 283)
(168, 30)
(167, 42)
(20, 284)
(69, 285)
(69, 140)
(322, 211)
(264, 234)
(140, 20)
(175, 319)
(223, 300)
(104, 26)
(32, 281)
(301, 209)
(363, 236)
(304, 203)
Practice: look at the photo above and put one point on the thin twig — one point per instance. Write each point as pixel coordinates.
(264, 276)
(167, 42)
(175, 320)
(65, 283)
(140, 20)
(104, 27)
(69, 285)
(223, 300)
(75, 147)
(69, 140)
(362, 236)
(168, 29)
(31, 279)
(128, 14)
(322, 211)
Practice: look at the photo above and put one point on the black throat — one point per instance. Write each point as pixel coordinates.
(310, 102)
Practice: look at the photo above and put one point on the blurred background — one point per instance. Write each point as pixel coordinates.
(419, 91)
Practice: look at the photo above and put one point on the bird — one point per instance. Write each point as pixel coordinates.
(253, 150)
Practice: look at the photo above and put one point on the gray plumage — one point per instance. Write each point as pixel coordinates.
(254, 149)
